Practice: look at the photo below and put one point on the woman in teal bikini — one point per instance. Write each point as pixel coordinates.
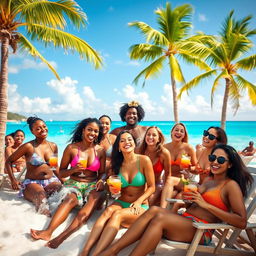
(84, 184)
(40, 181)
(137, 177)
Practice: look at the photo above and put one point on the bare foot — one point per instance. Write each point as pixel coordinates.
(40, 234)
(54, 243)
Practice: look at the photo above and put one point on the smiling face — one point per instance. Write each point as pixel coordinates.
(9, 141)
(217, 168)
(39, 129)
(105, 122)
(91, 132)
(126, 143)
(207, 142)
(152, 137)
(178, 133)
(19, 137)
(131, 116)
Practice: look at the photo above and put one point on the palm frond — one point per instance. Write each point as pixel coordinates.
(52, 13)
(145, 51)
(248, 63)
(195, 81)
(251, 88)
(152, 70)
(151, 34)
(63, 39)
(234, 95)
(26, 46)
(223, 74)
(175, 69)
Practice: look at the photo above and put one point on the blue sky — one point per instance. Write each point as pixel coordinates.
(84, 91)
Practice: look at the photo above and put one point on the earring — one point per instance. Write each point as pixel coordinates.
(119, 150)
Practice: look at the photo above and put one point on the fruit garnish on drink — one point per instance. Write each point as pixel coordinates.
(185, 161)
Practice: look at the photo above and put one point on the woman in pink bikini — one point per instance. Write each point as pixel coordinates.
(152, 146)
(85, 180)
(220, 199)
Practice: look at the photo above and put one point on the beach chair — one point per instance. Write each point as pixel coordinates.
(247, 159)
(224, 234)
(18, 175)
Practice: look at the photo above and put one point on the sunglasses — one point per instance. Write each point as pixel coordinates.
(220, 159)
(210, 136)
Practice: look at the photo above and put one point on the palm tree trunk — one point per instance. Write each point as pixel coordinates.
(3, 96)
(225, 104)
(174, 100)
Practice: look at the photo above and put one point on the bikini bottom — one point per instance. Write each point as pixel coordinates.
(127, 205)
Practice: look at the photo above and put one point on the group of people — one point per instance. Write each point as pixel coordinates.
(150, 172)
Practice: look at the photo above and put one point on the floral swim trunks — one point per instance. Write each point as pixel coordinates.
(81, 189)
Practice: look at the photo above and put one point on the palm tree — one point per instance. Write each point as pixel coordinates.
(166, 44)
(227, 54)
(43, 21)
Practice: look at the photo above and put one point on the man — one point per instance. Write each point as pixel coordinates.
(249, 151)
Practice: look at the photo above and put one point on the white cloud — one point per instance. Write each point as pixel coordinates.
(202, 17)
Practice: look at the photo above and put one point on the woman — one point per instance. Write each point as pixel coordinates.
(152, 146)
(40, 181)
(138, 184)
(85, 183)
(220, 199)
(19, 164)
(211, 137)
(108, 139)
(9, 140)
(177, 147)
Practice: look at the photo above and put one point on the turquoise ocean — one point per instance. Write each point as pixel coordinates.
(239, 132)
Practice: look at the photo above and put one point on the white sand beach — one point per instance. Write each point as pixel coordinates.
(17, 216)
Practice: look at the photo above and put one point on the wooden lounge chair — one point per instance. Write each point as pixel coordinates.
(225, 234)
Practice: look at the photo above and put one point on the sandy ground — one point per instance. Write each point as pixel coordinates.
(17, 216)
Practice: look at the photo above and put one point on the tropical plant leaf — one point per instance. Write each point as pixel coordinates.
(175, 69)
(234, 95)
(26, 46)
(247, 63)
(145, 51)
(152, 70)
(66, 40)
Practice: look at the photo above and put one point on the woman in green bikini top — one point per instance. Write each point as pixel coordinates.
(137, 177)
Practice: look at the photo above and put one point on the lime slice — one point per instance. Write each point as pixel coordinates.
(183, 180)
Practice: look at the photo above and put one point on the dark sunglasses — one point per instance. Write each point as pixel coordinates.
(210, 136)
(220, 159)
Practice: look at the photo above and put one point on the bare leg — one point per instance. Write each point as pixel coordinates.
(119, 217)
(83, 215)
(168, 190)
(59, 217)
(52, 187)
(36, 194)
(98, 228)
(135, 232)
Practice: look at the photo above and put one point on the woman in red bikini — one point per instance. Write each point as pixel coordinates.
(84, 184)
(152, 146)
(220, 199)
(177, 147)
(211, 137)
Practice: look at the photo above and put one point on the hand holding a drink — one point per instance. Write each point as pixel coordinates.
(82, 163)
(190, 189)
(114, 184)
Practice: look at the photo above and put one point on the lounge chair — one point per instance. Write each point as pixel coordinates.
(247, 159)
(222, 231)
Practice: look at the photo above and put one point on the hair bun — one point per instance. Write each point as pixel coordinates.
(31, 119)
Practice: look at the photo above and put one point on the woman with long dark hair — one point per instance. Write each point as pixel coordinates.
(220, 199)
(83, 162)
(137, 177)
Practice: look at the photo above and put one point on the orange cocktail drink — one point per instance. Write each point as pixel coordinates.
(185, 162)
(190, 187)
(114, 183)
(53, 161)
(83, 163)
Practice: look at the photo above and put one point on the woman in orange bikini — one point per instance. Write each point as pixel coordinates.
(211, 137)
(85, 182)
(220, 199)
(152, 146)
(177, 147)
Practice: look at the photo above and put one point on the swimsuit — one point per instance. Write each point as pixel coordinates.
(158, 166)
(213, 197)
(94, 167)
(175, 162)
(138, 180)
(109, 151)
(207, 235)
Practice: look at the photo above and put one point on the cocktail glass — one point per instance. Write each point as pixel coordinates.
(53, 161)
(184, 164)
(114, 183)
(190, 186)
(83, 163)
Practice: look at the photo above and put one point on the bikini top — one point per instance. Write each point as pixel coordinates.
(138, 180)
(175, 162)
(158, 166)
(94, 167)
(201, 170)
(213, 197)
(37, 160)
(109, 151)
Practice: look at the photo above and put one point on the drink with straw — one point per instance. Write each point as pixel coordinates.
(53, 161)
(114, 183)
